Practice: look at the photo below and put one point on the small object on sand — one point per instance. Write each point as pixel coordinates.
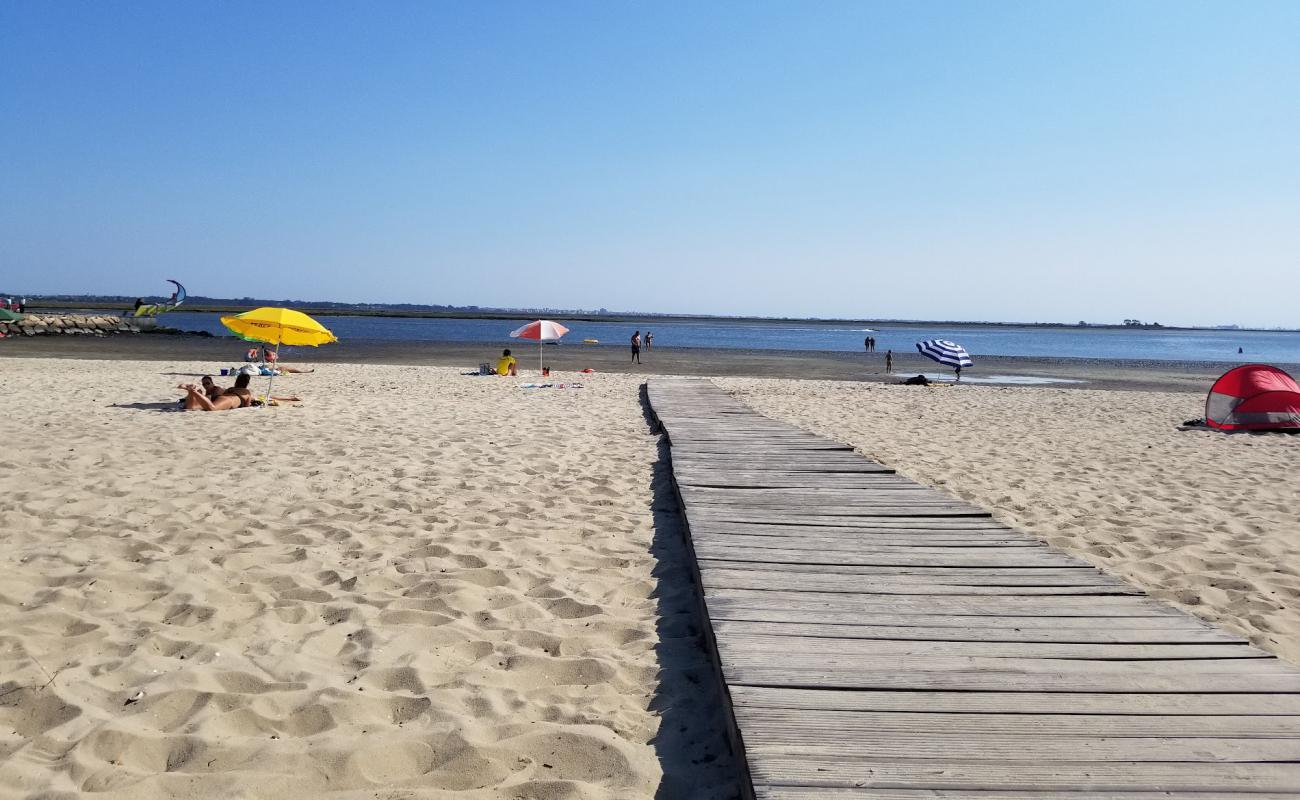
(918, 380)
(135, 698)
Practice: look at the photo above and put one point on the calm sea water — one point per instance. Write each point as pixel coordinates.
(1270, 346)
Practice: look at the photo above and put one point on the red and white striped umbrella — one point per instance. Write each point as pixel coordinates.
(542, 330)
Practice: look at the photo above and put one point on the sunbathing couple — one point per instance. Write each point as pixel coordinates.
(211, 397)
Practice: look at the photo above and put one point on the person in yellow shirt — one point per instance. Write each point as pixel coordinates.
(507, 365)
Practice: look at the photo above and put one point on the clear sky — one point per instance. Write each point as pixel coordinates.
(993, 160)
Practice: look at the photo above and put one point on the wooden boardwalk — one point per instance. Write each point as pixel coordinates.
(879, 639)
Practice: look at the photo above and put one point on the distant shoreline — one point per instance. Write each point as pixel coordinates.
(695, 361)
(224, 307)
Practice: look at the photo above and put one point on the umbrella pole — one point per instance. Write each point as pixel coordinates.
(540, 369)
(266, 401)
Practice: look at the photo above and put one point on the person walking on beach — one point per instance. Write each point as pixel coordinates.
(889, 361)
(636, 347)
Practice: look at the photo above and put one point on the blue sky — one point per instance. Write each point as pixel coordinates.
(997, 160)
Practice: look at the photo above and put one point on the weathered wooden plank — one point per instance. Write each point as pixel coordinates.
(775, 480)
(937, 557)
(764, 739)
(887, 539)
(843, 675)
(936, 572)
(734, 579)
(936, 526)
(771, 792)
(804, 498)
(870, 544)
(979, 704)
(740, 636)
(866, 508)
(912, 613)
(764, 725)
(778, 601)
(864, 525)
(1025, 774)
(744, 655)
(1116, 631)
(755, 467)
(772, 580)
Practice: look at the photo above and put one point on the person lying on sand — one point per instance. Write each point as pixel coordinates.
(211, 397)
(197, 400)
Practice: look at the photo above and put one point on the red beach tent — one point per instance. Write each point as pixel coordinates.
(1254, 397)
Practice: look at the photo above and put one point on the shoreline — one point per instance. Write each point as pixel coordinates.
(693, 361)
(323, 308)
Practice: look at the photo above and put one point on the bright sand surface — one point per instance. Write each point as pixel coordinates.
(417, 584)
(1207, 521)
(423, 584)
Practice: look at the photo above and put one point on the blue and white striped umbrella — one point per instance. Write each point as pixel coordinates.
(945, 352)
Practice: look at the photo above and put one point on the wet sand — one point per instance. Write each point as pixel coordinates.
(816, 365)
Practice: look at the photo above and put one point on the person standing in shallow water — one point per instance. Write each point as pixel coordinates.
(889, 361)
(636, 347)
(649, 340)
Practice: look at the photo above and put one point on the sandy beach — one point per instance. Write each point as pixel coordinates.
(418, 581)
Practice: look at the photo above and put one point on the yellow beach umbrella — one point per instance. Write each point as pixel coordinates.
(278, 326)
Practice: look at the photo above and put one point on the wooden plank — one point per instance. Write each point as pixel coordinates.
(864, 508)
(766, 739)
(1026, 774)
(973, 579)
(979, 703)
(1001, 630)
(842, 675)
(763, 725)
(869, 545)
(882, 585)
(871, 657)
(882, 539)
(936, 572)
(770, 792)
(850, 525)
(912, 613)
(932, 557)
(860, 527)
(778, 601)
(740, 635)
